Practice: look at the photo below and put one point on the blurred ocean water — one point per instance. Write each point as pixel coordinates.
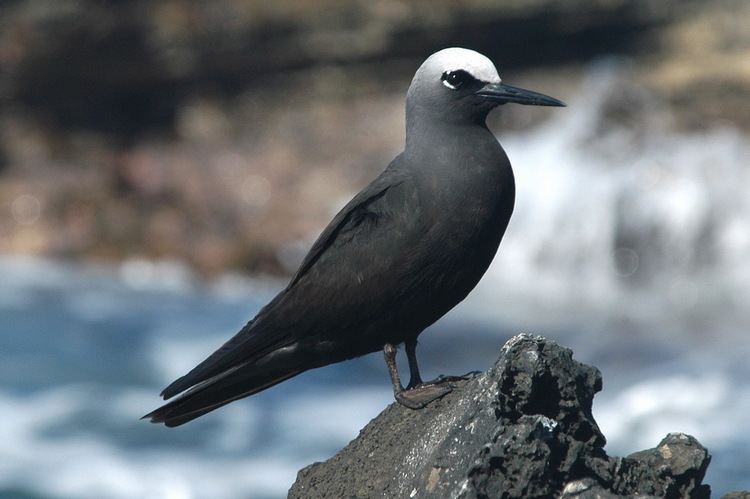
(628, 244)
(84, 352)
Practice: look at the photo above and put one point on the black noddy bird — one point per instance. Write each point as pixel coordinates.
(403, 252)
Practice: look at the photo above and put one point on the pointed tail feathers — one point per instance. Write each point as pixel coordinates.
(243, 345)
(228, 386)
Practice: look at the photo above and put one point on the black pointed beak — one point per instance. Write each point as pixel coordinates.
(502, 93)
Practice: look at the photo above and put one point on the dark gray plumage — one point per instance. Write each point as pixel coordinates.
(396, 258)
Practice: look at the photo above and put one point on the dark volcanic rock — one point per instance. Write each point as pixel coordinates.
(524, 429)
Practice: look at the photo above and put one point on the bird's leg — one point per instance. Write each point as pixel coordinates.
(411, 354)
(415, 397)
(389, 350)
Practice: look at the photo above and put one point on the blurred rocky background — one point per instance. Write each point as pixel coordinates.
(226, 133)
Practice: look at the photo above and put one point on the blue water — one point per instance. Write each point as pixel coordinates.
(84, 352)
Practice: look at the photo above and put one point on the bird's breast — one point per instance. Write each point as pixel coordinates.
(471, 195)
(467, 202)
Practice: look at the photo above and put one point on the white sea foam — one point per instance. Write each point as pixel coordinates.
(85, 464)
(708, 407)
(144, 274)
(339, 414)
(177, 348)
(675, 201)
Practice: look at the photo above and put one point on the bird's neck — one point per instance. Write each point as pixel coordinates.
(429, 139)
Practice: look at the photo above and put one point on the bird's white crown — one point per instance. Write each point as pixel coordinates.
(456, 58)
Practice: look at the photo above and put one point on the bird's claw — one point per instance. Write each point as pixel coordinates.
(420, 396)
(438, 386)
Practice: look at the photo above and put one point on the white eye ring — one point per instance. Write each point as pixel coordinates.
(456, 79)
(445, 82)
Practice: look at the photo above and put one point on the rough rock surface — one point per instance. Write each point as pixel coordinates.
(523, 428)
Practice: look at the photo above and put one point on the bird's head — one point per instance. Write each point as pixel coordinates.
(461, 85)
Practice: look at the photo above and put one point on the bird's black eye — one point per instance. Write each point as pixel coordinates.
(456, 79)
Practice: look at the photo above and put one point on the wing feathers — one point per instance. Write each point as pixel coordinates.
(234, 370)
(234, 384)
(260, 336)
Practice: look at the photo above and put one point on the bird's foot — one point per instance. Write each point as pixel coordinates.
(420, 396)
